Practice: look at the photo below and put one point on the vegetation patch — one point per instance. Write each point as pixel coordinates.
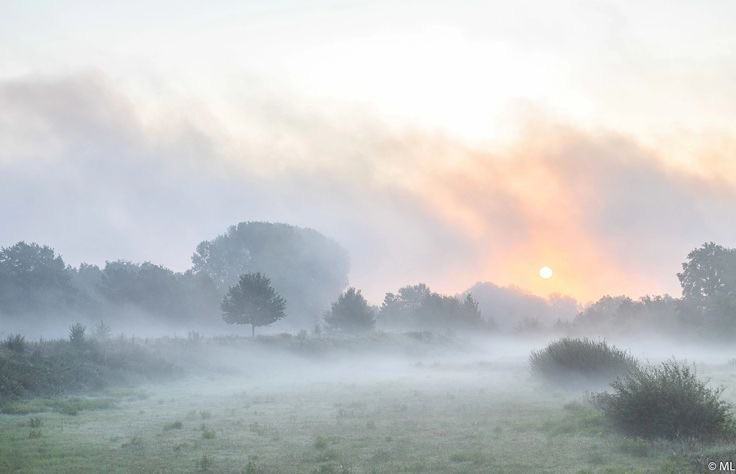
(65, 406)
(74, 365)
(575, 362)
(175, 425)
(667, 401)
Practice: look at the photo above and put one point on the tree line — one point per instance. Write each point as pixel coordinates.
(255, 274)
(707, 306)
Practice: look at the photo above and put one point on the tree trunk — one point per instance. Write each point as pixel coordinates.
(252, 330)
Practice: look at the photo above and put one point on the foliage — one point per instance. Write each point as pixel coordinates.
(63, 366)
(351, 313)
(621, 314)
(15, 343)
(157, 290)
(708, 281)
(76, 334)
(417, 307)
(33, 278)
(666, 401)
(253, 301)
(306, 267)
(570, 360)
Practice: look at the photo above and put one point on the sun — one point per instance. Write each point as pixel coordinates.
(545, 273)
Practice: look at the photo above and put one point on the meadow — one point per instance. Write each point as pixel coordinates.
(474, 408)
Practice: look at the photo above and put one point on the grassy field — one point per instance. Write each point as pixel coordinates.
(422, 416)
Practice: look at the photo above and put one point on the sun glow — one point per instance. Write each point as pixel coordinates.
(545, 273)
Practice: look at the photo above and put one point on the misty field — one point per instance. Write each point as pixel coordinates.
(267, 411)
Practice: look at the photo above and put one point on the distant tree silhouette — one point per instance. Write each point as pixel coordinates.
(351, 313)
(157, 290)
(253, 301)
(708, 281)
(32, 278)
(304, 266)
(418, 307)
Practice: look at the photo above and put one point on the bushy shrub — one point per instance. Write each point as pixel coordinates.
(580, 361)
(666, 401)
(61, 367)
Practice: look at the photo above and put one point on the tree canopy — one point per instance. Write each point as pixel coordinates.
(32, 278)
(253, 301)
(708, 281)
(351, 313)
(419, 307)
(306, 267)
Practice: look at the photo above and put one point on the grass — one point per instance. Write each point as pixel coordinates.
(427, 419)
(174, 425)
(66, 406)
(494, 430)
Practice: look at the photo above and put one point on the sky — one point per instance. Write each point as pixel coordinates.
(439, 142)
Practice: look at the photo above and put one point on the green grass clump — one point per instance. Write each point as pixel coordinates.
(174, 425)
(580, 361)
(667, 401)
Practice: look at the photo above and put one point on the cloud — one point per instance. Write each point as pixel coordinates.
(85, 168)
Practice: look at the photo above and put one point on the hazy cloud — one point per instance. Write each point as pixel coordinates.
(85, 170)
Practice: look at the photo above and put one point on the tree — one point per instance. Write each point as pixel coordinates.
(34, 277)
(157, 290)
(710, 271)
(351, 313)
(708, 281)
(418, 307)
(470, 311)
(304, 266)
(253, 301)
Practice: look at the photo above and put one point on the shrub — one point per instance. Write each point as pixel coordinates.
(15, 343)
(580, 360)
(52, 368)
(666, 401)
(76, 334)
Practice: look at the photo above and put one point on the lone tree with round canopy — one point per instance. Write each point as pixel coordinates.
(253, 301)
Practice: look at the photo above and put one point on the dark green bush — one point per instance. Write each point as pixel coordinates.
(569, 361)
(63, 367)
(666, 401)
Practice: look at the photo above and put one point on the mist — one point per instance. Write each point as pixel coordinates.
(351, 237)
